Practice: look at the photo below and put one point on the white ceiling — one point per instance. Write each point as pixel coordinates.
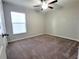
(31, 3)
(26, 3)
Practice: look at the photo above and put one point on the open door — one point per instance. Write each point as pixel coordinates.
(3, 40)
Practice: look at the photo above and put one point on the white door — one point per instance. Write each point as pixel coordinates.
(3, 41)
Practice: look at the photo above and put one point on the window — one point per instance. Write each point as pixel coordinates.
(18, 22)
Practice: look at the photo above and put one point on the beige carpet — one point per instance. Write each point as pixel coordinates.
(43, 47)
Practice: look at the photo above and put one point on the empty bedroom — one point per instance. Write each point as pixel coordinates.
(39, 29)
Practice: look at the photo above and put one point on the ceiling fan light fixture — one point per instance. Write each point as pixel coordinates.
(44, 6)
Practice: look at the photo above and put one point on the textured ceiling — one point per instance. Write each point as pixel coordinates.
(30, 3)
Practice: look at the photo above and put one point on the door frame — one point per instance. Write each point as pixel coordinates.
(3, 41)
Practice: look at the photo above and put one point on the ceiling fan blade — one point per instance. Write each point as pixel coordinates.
(53, 2)
(41, 9)
(37, 6)
(41, 0)
(50, 7)
(44, 0)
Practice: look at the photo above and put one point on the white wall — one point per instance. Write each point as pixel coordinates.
(61, 22)
(35, 21)
(64, 22)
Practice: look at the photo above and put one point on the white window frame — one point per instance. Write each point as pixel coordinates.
(25, 23)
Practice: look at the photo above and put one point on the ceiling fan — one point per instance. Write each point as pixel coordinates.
(44, 4)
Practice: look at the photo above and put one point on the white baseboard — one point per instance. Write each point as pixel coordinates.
(65, 37)
(25, 37)
(42, 34)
